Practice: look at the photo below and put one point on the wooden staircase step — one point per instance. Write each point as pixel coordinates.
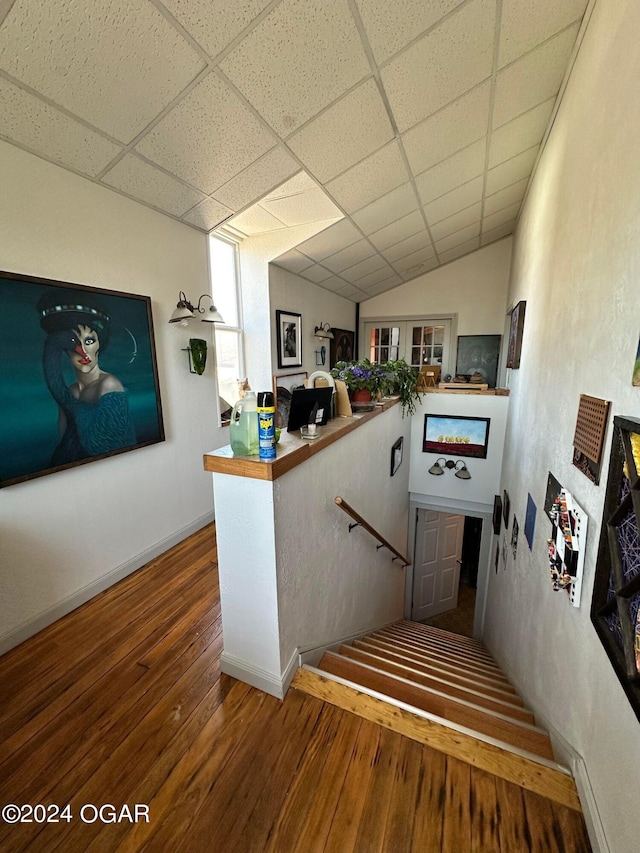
(420, 629)
(441, 684)
(483, 670)
(480, 656)
(530, 772)
(499, 726)
(504, 692)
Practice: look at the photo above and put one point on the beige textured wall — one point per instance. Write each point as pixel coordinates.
(576, 261)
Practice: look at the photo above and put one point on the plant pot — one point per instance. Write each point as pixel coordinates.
(361, 395)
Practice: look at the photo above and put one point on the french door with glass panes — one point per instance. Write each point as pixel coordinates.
(419, 342)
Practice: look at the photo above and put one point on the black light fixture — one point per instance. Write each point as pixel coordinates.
(184, 311)
(323, 331)
(458, 466)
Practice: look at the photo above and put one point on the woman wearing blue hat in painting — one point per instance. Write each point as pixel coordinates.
(93, 412)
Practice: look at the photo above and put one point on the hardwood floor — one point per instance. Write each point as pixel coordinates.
(122, 703)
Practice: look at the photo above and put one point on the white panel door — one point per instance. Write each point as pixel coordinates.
(437, 563)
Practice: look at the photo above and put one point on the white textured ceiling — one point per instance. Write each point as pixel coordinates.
(414, 124)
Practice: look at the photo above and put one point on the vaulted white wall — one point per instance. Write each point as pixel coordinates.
(67, 535)
(576, 262)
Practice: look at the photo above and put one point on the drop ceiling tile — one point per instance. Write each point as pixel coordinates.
(455, 201)
(331, 240)
(310, 206)
(450, 173)
(533, 79)
(297, 61)
(334, 284)
(30, 122)
(459, 251)
(353, 254)
(411, 263)
(255, 220)
(257, 179)
(503, 198)
(426, 267)
(384, 210)
(381, 286)
(378, 174)
(293, 261)
(349, 291)
(299, 183)
(416, 242)
(511, 171)
(372, 264)
(458, 237)
(499, 218)
(451, 59)
(526, 24)
(450, 129)
(391, 26)
(521, 133)
(223, 137)
(207, 215)
(399, 230)
(384, 275)
(328, 145)
(316, 273)
(498, 233)
(114, 63)
(215, 23)
(454, 223)
(143, 181)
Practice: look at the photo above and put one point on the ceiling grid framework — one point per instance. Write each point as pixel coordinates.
(413, 127)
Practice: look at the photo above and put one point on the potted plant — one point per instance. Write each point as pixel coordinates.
(363, 378)
(401, 379)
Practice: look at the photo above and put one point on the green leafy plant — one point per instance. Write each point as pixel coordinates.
(401, 379)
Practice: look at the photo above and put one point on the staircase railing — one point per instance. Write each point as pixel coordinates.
(360, 522)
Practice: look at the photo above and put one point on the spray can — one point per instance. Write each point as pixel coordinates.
(266, 425)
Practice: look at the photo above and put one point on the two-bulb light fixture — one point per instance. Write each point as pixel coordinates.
(458, 466)
(185, 312)
(323, 331)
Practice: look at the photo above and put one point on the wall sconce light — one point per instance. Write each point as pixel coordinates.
(458, 466)
(184, 311)
(323, 331)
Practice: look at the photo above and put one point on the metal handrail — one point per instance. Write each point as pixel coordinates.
(360, 522)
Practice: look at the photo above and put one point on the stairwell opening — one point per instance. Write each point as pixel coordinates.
(446, 582)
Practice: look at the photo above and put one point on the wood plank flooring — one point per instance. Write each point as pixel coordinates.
(122, 702)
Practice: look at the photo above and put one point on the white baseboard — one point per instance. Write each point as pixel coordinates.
(46, 618)
(244, 671)
(576, 763)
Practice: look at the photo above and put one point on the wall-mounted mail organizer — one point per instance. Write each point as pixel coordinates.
(567, 541)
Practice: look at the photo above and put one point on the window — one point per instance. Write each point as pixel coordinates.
(419, 342)
(223, 263)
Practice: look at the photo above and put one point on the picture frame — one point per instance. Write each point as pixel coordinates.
(516, 331)
(289, 337)
(479, 354)
(342, 346)
(456, 435)
(81, 361)
(283, 385)
(396, 455)
(506, 506)
(530, 521)
(497, 514)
